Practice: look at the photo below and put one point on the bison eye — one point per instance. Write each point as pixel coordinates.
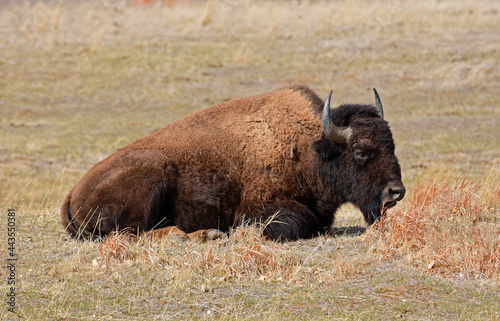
(361, 156)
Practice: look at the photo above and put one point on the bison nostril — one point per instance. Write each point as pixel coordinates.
(393, 192)
(397, 193)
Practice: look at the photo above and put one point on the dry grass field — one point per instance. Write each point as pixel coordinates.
(79, 79)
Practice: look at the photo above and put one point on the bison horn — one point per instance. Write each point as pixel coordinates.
(334, 133)
(378, 103)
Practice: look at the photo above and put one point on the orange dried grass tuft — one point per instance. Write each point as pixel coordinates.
(446, 229)
(116, 245)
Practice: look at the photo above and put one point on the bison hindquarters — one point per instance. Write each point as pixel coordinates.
(129, 189)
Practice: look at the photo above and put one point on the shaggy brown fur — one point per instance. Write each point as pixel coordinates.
(246, 159)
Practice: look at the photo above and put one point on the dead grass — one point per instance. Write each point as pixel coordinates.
(245, 254)
(450, 229)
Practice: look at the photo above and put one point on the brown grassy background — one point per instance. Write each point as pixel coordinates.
(80, 79)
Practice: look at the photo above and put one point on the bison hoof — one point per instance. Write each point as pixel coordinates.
(208, 235)
(214, 234)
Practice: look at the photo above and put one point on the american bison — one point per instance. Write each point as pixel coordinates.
(282, 157)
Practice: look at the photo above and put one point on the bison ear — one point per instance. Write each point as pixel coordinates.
(326, 149)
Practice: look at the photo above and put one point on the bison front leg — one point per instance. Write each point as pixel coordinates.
(287, 220)
(198, 236)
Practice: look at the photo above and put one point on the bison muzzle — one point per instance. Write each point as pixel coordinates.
(282, 158)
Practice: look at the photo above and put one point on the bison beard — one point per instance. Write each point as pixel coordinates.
(282, 158)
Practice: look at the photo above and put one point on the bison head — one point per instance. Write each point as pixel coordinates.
(358, 160)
